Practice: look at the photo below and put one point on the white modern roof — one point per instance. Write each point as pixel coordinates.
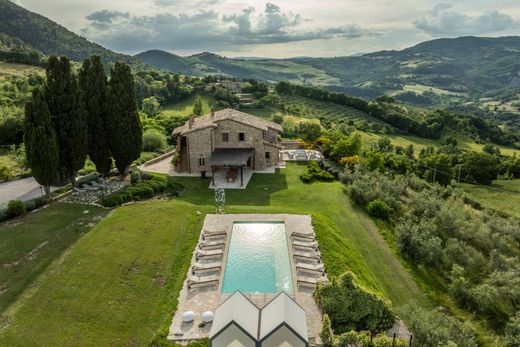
(283, 309)
(237, 308)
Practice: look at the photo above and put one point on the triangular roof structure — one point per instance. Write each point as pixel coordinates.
(260, 324)
(211, 120)
(283, 310)
(239, 310)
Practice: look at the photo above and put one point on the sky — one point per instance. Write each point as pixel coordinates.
(277, 28)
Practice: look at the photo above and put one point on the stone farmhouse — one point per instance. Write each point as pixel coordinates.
(227, 140)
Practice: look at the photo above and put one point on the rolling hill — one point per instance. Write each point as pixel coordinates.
(443, 71)
(49, 37)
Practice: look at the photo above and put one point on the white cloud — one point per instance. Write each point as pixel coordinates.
(205, 30)
(443, 21)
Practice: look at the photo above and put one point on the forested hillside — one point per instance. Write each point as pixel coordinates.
(49, 37)
(468, 74)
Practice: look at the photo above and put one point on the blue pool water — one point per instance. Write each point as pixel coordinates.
(258, 259)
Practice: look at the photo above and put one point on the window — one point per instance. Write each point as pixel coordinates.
(202, 161)
(268, 155)
(225, 137)
(241, 137)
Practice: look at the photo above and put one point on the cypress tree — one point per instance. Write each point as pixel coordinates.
(40, 141)
(93, 83)
(67, 110)
(123, 120)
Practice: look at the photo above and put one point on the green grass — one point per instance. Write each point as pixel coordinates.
(119, 283)
(31, 243)
(502, 195)
(185, 107)
(18, 69)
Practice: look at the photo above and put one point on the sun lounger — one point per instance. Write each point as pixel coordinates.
(310, 281)
(305, 243)
(307, 256)
(212, 253)
(318, 267)
(210, 234)
(212, 245)
(202, 281)
(306, 236)
(201, 267)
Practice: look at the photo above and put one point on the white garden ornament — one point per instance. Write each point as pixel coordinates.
(188, 316)
(207, 317)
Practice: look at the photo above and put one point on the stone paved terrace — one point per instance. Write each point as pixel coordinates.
(200, 300)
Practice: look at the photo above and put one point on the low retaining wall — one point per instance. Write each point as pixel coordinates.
(159, 158)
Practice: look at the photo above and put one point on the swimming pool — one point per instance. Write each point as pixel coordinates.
(258, 259)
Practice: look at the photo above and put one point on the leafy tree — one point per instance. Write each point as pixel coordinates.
(278, 118)
(40, 140)
(384, 144)
(197, 107)
(481, 168)
(512, 336)
(153, 140)
(93, 82)
(433, 329)
(437, 168)
(326, 333)
(151, 106)
(309, 131)
(347, 146)
(409, 151)
(67, 110)
(123, 122)
(351, 307)
(490, 148)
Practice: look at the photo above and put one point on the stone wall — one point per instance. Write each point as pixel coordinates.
(253, 139)
(201, 144)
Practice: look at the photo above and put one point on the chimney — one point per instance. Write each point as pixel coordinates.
(213, 111)
(191, 122)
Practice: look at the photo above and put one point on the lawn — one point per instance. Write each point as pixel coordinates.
(502, 195)
(18, 69)
(118, 284)
(28, 245)
(184, 107)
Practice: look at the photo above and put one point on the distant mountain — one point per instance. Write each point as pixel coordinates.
(167, 61)
(49, 37)
(460, 71)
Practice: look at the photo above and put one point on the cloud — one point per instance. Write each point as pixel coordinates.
(442, 20)
(106, 16)
(192, 3)
(207, 30)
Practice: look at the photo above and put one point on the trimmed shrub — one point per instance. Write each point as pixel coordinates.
(141, 191)
(315, 173)
(135, 176)
(113, 200)
(377, 208)
(16, 208)
(34, 203)
(153, 140)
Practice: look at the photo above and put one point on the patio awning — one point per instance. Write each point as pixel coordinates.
(230, 156)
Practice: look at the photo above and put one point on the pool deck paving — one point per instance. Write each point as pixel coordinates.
(208, 298)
